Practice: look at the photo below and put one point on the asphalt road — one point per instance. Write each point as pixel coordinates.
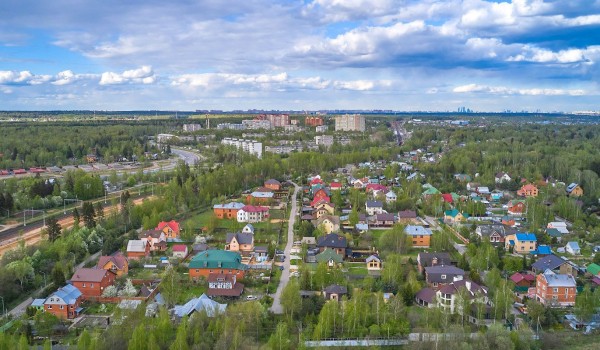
(190, 158)
(285, 274)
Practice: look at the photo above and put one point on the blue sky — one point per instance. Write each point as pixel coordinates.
(405, 55)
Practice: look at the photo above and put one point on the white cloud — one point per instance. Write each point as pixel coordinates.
(502, 90)
(22, 78)
(143, 75)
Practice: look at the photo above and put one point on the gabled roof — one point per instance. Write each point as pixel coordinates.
(407, 214)
(179, 248)
(136, 246)
(272, 182)
(373, 258)
(518, 277)
(594, 269)
(374, 204)
(542, 250)
(558, 280)
(335, 220)
(335, 289)
(472, 288)
(240, 237)
(425, 259)
(69, 294)
(426, 294)
(89, 275)
(385, 217)
(173, 225)
(551, 262)
(215, 258)
(203, 303)
(434, 273)
(552, 232)
(232, 206)
(447, 197)
(573, 245)
(413, 230)
(332, 240)
(254, 209)
(155, 234)
(454, 212)
(525, 237)
(118, 259)
(327, 255)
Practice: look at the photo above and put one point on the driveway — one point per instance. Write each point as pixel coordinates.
(285, 274)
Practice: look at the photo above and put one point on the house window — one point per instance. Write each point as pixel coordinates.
(197, 270)
(92, 285)
(62, 307)
(555, 290)
(443, 277)
(554, 297)
(83, 285)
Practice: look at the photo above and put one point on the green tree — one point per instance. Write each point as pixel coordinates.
(53, 228)
(22, 270)
(586, 304)
(76, 217)
(280, 340)
(89, 215)
(58, 276)
(180, 342)
(84, 341)
(290, 298)
(353, 217)
(138, 339)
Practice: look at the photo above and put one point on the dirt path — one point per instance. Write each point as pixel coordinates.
(34, 236)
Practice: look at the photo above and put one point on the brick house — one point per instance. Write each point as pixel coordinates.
(137, 249)
(555, 289)
(420, 236)
(92, 282)
(426, 259)
(224, 285)
(273, 184)
(216, 261)
(156, 239)
(522, 243)
(239, 242)
(336, 242)
(440, 275)
(529, 190)
(516, 207)
(171, 228)
(64, 303)
(252, 213)
(116, 263)
(227, 211)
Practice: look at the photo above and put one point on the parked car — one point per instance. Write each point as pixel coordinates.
(281, 268)
(251, 297)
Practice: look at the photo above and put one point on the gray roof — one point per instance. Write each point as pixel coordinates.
(487, 230)
(336, 289)
(426, 294)
(407, 214)
(374, 204)
(434, 273)
(385, 217)
(425, 259)
(332, 240)
(559, 280)
(197, 304)
(242, 238)
(551, 262)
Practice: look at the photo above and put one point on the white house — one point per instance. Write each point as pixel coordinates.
(560, 226)
(390, 197)
(573, 248)
(252, 213)
(374, 207)
(502, 177)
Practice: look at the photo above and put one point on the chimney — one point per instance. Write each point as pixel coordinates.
(468, 285)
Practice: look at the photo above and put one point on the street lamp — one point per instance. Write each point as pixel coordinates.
(33, 211)
(65, 200)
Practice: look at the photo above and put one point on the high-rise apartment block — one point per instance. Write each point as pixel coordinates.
(350, 122)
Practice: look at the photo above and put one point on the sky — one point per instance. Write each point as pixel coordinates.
(404, 55)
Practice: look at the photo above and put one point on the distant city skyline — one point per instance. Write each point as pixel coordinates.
(399, 55)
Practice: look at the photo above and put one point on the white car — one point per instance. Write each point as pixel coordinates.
(251, 297)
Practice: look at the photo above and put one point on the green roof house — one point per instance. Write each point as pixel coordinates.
(594, 269)
(216, 261)
(330, 257)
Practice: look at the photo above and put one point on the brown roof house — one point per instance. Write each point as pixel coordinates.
(425, 259)
(329, 223)
(92, 282)
(441, 275)
(334, 241)
(335, 292)
(224, 285)
(116, 263)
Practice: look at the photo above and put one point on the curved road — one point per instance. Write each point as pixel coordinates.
(285, 274)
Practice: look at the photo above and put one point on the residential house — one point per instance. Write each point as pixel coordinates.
(116, 263)
(385, 220)
(252, 213)
(38, 304)
(554, 263)
(216, 261)
(373, 263)
(502, 177)
(453, 216)
(330, 257)
(573, 248)
(447, 197)
(426, 259)
(329, 223)
(554, 289)
(374, 207)
(574, 190)
(483, 191)
(496, 195)
(180, 251)
(156, 239)
(420, 236)
(92, 282)
(516, 207)
(495, 234)
(227, 211)
(335, 186)
(462, 177)
(261, 254)
(593, 269)
(523, 279)
(522, 243)
(335, 292)
(508, 221)
(203, 303)
(390, 197)
(239, 242)
(64, 303)
(224, 285)
(260, 197)
(554, 233)
(529, 190)
(440, 275)
(449, 296)
(336, 242)
(137, 249)
(560, 226)
(407, 216)
(323, 208)
(430, 191)
(542, 250)
(273, 184)
(310, 242)
(171, 229)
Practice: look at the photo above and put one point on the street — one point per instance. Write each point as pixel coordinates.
(285, 274)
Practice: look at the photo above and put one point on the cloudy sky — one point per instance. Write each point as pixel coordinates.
(405, 55)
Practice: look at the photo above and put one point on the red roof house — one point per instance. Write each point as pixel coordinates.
(171, 228)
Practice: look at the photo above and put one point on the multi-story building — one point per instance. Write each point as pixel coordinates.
(313, 121)
(254, 124)
(325, 140)
(522, 243)
(92, 282)
(420, 236)
(555, 289)
(252, 213)
(350, 122)
(278, 120)
(227, 211)
(191, 127)
(250, 146)
(216, 261)
(230, 126)
(64, 303)
(321, 128)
